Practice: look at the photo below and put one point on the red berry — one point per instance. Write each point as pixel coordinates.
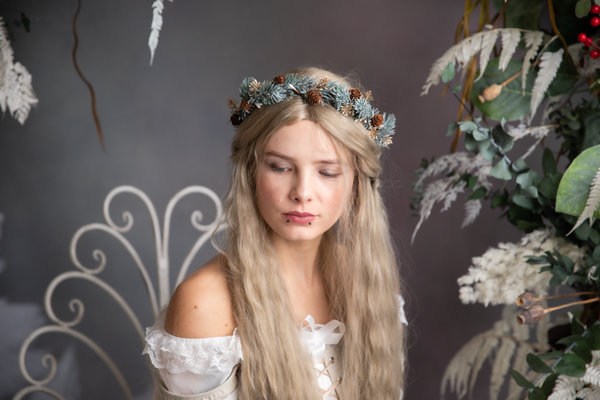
(595, 9)
(594, 54)
(588, 42)
(581, 37)
(595, 21)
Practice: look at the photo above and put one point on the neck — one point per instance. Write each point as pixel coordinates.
(298, 259)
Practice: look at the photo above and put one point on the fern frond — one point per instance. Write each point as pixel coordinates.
(510, 41)
(566, 387)
(519, 364)
(533, 40)
(460, 363)
(548, 68)
(438, 67)
(470, 47)
(589, 393)
(16, 91)
(592, 375)
(488, 41)
(446, 189)
(155, 27)
(500, 367)
(592, 203)
(472, 209)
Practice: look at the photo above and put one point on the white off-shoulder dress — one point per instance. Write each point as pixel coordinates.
(205, 369)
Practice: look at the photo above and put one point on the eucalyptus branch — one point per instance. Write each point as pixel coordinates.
(480, 129)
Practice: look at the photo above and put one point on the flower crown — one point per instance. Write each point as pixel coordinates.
(351, 103)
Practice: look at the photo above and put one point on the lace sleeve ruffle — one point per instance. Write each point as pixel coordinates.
(199, 356)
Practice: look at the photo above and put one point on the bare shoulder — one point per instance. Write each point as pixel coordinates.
(201, 305)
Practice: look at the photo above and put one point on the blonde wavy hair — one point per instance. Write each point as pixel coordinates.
(359, 269)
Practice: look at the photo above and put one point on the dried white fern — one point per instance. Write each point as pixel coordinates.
(533, 40)
(472, 209)
(488, 41)
(446, 189)
(501, 366)
(548, 68)
(519, 364)
(589, 393)
(155, 27)
(592, 203)
(496, 345)
(566, 388)
(510, 41)
(16, 91)
(483, 42)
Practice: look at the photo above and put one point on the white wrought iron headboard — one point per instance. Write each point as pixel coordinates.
(161, 241)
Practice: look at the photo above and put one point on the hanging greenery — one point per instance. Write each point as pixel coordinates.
(522, 67)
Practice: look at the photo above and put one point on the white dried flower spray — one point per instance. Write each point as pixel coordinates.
(501, 274)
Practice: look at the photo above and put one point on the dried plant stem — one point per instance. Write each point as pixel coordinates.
(501, 15)
(557, 32)
(466, 95)
(575, 303)
(89, 85)
(565, 295)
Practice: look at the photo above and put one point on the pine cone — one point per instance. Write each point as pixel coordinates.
(235, 119)
(279, 80)
(355, 94)
(314, 97)
(377, 120)
(244, 105)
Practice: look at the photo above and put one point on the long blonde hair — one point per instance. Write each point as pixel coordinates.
(359, 269)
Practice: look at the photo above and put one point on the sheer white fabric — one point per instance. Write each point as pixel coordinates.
(193, 366)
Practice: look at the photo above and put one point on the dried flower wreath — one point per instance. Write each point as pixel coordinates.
(351, 103)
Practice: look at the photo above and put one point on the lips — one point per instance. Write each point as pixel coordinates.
(299, 217)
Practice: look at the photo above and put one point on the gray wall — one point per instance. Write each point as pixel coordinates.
(166, 127)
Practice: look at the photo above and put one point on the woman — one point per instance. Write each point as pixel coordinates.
(303, 301)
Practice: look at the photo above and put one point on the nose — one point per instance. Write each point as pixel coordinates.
(302, 187)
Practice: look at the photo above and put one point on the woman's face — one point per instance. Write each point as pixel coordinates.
(302, 180)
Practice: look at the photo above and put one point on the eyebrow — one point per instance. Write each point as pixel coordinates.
(275, 154)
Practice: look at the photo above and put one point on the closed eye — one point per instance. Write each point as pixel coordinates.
(328, 174)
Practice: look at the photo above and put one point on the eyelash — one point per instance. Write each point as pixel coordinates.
(280, 170)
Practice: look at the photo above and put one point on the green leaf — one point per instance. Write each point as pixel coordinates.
(551, 355)
(523, 201)
(536, 260)
(558, 276)
(530, 191)
(582, 8)
(478, 194)
(593, 337)
(567, 263)
(521, 380)
(583, 350)
(571, 365)
(524, 180)
(479, 135)
(577, 327)
(501, 171)
(549, 185)
(500, 200)
(537, 365)
(502, 139)
(457, 89)
(575, 185)
(548, 385)
(596, 253)
(583, 231)
(472, 182)
(523, 15)
(537, 394)
(575, 125)
(577, 279)
(595, 237)
(567, 341)
(451, 128)
(468, 126)
(448, 73)
(548, 162)
(591, 122)
(511, 103)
